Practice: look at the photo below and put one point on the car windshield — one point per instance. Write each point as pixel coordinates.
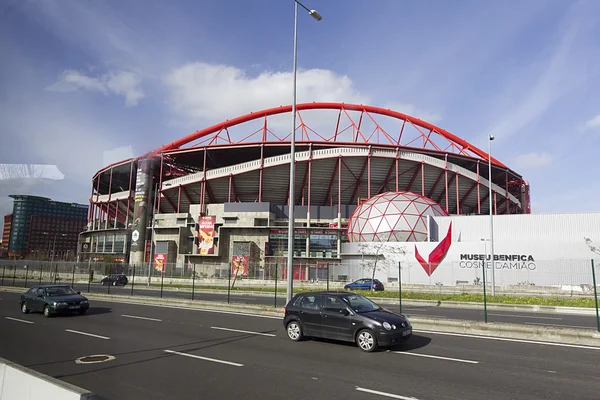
(59, 291)
(360, 304)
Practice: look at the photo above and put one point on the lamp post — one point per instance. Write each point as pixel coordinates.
(490, 138)
(53, 247)
(291, 201)
(152, 247)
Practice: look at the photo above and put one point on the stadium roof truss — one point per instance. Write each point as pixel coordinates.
(344, 152)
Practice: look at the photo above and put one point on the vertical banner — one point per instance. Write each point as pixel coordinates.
(206, 232)
(160, 262)
(239, 265)
(148, 248)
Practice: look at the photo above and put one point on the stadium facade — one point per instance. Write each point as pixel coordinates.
(220, 195)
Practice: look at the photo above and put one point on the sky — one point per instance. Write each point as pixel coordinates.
(87, 83)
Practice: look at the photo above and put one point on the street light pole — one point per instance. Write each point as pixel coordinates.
(291, 200)
(490, 138)
(152, 247)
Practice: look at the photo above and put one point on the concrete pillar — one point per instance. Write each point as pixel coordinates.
(142, 204)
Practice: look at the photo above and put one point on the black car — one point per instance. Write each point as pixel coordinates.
(53, 299)
(344, 316)
(114, 279)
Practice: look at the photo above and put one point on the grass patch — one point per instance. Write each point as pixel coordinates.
(458, 297)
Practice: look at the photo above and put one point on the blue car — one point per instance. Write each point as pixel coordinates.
(365, 284)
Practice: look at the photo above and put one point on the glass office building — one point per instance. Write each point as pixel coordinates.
(40, 225)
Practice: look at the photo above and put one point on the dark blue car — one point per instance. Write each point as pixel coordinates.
(365, 284)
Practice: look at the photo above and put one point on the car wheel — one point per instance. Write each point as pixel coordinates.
(24, 308)
(47, 313)
(366, 341)
(115, 283)
(294, 331)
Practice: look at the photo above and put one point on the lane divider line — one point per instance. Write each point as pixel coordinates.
(384, 394)
(565, 326)
(19, 320)
(87, 334)
(241, 331)
(144, 318)
(437, 357)
(502, 339)
(204, 358)
(524, 316)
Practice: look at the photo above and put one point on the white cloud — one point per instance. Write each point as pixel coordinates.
(124, 83)
(593, 123)
(414, 111)
(533, 160)
(118, 154)
(203, 92)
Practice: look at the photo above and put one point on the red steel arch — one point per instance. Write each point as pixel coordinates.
(456, 143)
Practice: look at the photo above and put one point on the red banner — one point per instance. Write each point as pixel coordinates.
(160, 262)
(239, 265)
(206, 233)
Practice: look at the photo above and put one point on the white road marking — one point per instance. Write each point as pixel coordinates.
(204, 358)
(523, 316)
(393, 396)
(423, 315)
(240, 331)
(19, 320)
(87, 334)
(438, 357)
(566, 326)
(144, 318)
(501, 339)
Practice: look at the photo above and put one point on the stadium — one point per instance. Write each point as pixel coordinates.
(220, 194)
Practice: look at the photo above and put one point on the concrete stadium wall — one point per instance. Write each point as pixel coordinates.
(20, 383)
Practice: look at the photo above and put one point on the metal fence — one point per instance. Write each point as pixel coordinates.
(224, 282)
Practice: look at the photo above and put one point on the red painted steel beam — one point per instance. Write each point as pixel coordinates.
(446, 189)
(465, 196)
(186, 194)
(358, 180)
(323, 106)
(439, 178)
(328, 196)
(414, 177)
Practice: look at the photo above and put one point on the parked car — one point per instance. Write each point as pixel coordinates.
(53, 299)
(344, 316)
(114, 279)
(365, 284)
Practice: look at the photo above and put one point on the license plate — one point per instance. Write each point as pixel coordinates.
(73, 307)
(406, 333)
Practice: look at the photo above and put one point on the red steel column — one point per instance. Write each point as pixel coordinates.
(159, 193)
(368, 173)
(478, 190)
(397, 162)
(422, 178)
(179, 199)
(446, 179)
(109, 196)
(230, 182)
(262, 160)
(457, 194)
(203, 190)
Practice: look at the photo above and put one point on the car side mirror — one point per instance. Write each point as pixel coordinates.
(344, 311)
(78, 292)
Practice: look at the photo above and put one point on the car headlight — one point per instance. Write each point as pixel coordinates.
(84, 301)
(387, 326)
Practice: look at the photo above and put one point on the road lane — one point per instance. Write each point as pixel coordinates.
(512, 316)
(275, 367)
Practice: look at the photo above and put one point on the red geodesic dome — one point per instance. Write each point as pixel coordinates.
(393, 217)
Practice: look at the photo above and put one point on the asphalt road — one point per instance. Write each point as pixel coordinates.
(170, 353)
(510, 316)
